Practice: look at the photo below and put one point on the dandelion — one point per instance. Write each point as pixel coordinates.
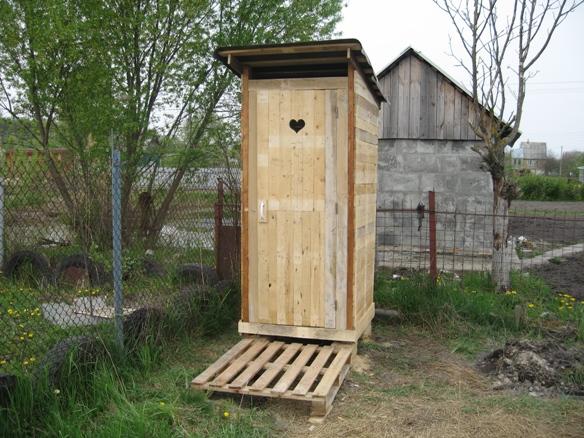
(21, 338)
(226, 414)
(531, 305)
(3, 361)
(162, 403)
(25, 363)
(10, 312)
(30, 335)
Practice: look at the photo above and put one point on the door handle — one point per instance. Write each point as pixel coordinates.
(262, 211)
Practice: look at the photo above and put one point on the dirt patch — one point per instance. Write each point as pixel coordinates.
(521, 206)
(415, 387)
(550, 232)
(537, 367)
(565, 275)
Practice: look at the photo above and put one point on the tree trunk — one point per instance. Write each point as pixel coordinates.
(502, 251)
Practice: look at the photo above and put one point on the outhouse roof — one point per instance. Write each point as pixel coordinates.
(301, 59)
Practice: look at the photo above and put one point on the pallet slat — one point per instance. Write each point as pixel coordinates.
(256, 365)
(222, 362)
(329, 378)
(270, 374)
(295, 369)
(239, 363)
(312, 373)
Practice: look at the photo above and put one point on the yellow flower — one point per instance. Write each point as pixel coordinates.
(57, 391)
(11, 312)
(3, 362)
(25, 362)
(21, 338)
(531, 305)
(162, 403)
(226, 414)
(30, 335)
(32, 359)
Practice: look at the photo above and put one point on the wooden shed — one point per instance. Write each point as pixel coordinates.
(425, 143)
(309, 182)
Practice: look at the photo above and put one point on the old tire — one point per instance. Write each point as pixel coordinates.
(152, 268)
(224, 286)
(142, 325)
(197, 273)
(8, 384)
(40, 270)
(73, 354)
(82, 263)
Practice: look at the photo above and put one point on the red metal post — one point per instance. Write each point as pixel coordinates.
(432, 219)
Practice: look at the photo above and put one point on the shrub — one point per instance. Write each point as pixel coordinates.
(548, 188)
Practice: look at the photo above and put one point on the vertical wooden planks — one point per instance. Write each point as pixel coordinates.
(341, 119)
(394, 103)
(330, 207)
(464, 129)
(440, 104)
(260, 281)
(351, 198)
(403, 115)
(449, 110)
(244, 257)
(274, 172)
(428, 103)
(457, 114)
(252, 208)
(415, 97)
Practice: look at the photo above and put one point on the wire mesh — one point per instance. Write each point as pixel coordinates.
(57, 287)
(538, 239)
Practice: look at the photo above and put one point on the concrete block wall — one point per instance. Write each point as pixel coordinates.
(408, 169)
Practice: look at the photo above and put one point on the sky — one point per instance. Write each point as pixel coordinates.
(554, 104)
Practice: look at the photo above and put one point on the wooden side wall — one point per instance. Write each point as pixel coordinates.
(365, 197)
(423, 104)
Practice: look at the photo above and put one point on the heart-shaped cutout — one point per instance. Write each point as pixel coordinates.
(297, 125)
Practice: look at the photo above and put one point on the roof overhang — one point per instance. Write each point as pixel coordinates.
(302, 59)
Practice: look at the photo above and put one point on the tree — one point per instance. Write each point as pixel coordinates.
(142, 68)
(500, 44)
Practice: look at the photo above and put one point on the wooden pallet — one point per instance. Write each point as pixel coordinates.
(273, 368)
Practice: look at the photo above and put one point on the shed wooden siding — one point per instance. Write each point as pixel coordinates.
(366, 128)
(423, 104)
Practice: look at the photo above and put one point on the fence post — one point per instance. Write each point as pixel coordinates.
(218, 225)
(2, 175)
(117, 242)
(432, 223)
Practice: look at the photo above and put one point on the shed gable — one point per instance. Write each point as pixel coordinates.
(423, 103)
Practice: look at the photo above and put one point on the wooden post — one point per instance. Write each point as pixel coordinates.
(432, 222)
(245, 194)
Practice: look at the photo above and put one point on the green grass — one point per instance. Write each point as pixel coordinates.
(469, 310)
(131, 398)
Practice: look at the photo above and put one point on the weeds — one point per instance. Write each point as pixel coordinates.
(469, 308)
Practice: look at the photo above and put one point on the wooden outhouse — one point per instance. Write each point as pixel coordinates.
(308, 198)
(309, 156)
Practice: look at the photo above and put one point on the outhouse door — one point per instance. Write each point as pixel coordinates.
(292, 222)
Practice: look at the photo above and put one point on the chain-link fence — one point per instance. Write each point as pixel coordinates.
(549, 243)
(59, 220)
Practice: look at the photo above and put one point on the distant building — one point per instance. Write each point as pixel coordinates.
(581, 174)
(530, 156)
